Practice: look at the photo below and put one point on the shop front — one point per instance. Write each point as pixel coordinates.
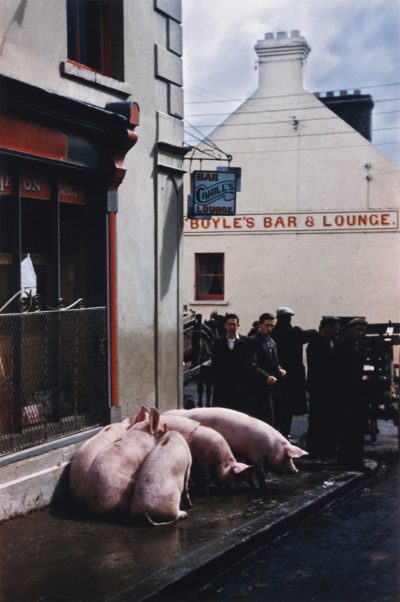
(61, 162)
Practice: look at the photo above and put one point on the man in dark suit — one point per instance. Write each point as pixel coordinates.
(323, 421)
(228, 366)
(351, 387)
(264, 373)
(290, 340)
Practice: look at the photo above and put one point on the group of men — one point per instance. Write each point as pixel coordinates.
(263, 375)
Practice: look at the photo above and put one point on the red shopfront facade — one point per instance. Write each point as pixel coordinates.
(61, 162)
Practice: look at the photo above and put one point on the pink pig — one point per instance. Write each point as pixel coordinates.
(210, 451)
(163, 478)
(112, 475)
(263, 445)
(84, 457)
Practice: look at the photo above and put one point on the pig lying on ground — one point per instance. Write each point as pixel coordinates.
(263, 445)
(163, 478)
(112, 475)
(211, 454)
(84, 457)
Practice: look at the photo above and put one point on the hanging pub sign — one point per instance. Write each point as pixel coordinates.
(213, 193)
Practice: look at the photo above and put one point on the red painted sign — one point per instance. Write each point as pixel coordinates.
(32, 138)
(35, 186)
(274, 223)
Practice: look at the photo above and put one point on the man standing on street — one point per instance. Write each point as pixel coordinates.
(351, 393)
(290, 340)
(321, 380)
(264, 373)
(228, 366)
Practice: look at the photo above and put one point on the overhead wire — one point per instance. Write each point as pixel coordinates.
(302, 135)
(287, 95)
(305, 119)
(282, 109)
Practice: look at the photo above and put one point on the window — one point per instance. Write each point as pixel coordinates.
(47, 218)
(209, 276)
(95, 35)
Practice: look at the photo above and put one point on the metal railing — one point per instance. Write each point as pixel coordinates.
(53, 375)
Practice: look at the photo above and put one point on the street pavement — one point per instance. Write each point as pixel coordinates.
(348, 552)
(60, 555)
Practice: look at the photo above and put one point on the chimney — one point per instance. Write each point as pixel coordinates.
(280, 61)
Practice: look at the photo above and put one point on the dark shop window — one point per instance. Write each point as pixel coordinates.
(73, 252)
(95, 35)
(209, 276)
(55, 232)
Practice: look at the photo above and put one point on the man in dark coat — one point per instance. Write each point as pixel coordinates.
(323, 418)
(228, 366)
(290, 340)
(350, 357)
(265, 373)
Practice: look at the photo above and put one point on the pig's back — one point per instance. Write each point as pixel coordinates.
(86, 454)
(242, 432)
(113, 473)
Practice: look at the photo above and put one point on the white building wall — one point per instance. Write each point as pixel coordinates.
(298, 158)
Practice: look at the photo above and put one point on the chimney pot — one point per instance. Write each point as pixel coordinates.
(280, 60)
(343, 92)
(330, 93)
(357, 91)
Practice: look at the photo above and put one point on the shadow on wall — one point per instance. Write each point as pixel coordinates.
(17, 18)
(172, 233)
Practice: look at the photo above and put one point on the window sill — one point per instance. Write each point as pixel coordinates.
(73, 70)
(209, 302)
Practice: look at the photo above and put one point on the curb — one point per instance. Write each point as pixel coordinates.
(206, 562)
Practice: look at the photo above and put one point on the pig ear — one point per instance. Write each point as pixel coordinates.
(239, 467)
(154, 419)
(295, 452)
(141, 415)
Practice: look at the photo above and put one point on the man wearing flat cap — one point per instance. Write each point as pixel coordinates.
(290, 340)
(323, 420)
(350, 356)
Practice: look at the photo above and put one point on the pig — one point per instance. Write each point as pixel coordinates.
(84, 457)
(210, 451)
(162, 480)
(263, 445)
(112, 475)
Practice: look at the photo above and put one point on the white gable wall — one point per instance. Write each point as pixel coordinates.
(316, 168)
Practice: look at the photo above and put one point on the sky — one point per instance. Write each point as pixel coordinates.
(355, 44)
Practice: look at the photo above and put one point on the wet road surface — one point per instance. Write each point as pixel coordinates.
(348, 553)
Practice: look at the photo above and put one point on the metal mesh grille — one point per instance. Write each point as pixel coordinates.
(53, 375)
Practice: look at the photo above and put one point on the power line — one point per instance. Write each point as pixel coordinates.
(343, 117)
(302, 135)
(281, 110)
(207, 141)
(194, 102)
(319, 148)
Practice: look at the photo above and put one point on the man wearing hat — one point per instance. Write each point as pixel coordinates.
(290, 340)
(323, 419)
(351, 393)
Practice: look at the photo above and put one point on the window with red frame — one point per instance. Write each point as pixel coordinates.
(95, 35)
(209, 276)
